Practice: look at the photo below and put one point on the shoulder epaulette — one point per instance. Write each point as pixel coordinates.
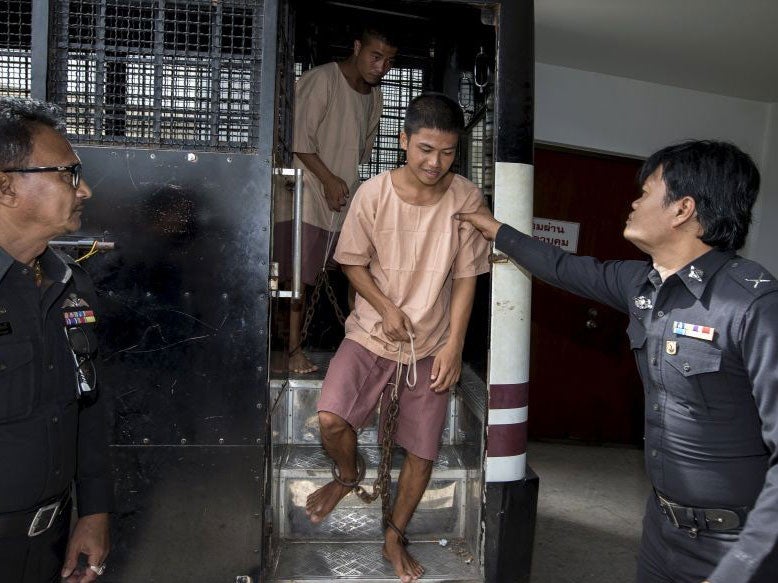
(751, 276)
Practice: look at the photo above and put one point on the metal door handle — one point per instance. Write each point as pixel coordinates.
(297, 233)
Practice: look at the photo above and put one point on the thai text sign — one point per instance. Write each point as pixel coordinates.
(560, 233)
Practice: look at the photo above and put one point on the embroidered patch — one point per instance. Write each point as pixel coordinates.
(757, 280)
(79, 317)
(693, 330)
(73, 301)
(643, 303)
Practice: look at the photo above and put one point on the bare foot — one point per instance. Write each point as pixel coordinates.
(299, 363)
(322, 501)
(405, 566)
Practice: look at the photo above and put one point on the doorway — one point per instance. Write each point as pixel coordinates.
(584, 384)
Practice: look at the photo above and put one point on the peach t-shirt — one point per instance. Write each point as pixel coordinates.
(413, 253)
(339, 124)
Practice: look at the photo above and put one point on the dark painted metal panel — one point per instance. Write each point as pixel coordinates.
(515, 87)
(184, 295)
(509, 519)
(186, 514)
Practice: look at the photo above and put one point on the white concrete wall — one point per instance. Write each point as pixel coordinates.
(623, 116)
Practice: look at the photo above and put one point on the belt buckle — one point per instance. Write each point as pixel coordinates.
(43, 519)
(667, 510)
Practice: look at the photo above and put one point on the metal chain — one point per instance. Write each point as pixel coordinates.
(322, 280)
(383, 481)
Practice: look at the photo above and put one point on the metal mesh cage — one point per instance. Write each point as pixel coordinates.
(399, 86)
(158, 72)
(15, 43)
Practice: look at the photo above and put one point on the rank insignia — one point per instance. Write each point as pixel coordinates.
(73, 301)
(671, 347)
(643, 303)
(757, 280)
(695, 273)
(79, 317)
(693, 330)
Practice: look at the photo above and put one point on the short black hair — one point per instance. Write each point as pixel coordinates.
(375, 31)
(721, 178)
(433, 111)
(18, 118)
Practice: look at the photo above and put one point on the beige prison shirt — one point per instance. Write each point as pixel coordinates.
(339, 124)
(413, 253)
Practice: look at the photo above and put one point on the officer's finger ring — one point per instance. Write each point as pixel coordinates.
(99, 569)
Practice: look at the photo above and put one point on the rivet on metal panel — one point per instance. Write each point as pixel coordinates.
(183, 442)
(148, 294)
(224, 296)
(187, 294)
(153, 156)
(260, 369)
(191, 157)
(259, 440)
(146, 441)
(221, 441)
(261, 331)
(259, 406)
(229, 159)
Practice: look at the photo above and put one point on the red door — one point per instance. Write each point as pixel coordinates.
(583, 379)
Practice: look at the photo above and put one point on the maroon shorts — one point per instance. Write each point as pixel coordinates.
(356, 379)
(314, 246)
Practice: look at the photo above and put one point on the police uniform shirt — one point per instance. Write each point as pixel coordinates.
(48, 437)
(706, 344)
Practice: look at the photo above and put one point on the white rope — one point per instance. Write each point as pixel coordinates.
(410, 370)
(331, 235)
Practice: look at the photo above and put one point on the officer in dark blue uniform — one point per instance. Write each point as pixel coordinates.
(703, 324)
(53, 429)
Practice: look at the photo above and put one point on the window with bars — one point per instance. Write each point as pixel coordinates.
(399, 86)
(15, 44)
(159, 73)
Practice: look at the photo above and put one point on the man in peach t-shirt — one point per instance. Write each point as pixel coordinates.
(414, 268)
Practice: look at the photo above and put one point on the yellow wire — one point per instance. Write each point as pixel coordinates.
(91, 252)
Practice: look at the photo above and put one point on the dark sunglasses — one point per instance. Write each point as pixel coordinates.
(74, 169)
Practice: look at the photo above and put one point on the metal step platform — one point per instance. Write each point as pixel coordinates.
(303, 562)
(445, 530)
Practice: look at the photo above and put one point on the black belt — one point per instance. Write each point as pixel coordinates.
(696, 519)
(33, 522)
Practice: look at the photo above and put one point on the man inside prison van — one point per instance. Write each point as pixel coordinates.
(53, 425)
(414, 269)
(337, 109)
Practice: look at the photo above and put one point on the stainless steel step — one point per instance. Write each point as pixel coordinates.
(441, 513)
(295, 418)
(315, 562)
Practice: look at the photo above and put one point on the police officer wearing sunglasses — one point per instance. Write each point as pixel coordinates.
(53, 425)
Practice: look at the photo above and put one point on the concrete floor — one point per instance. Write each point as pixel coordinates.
(589, 512)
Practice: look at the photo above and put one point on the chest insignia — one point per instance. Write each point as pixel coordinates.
(696, 274)
(693, 330)
(671, 347)
(643, 303)
(73, 301)
(79, 317)
(757, 280)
